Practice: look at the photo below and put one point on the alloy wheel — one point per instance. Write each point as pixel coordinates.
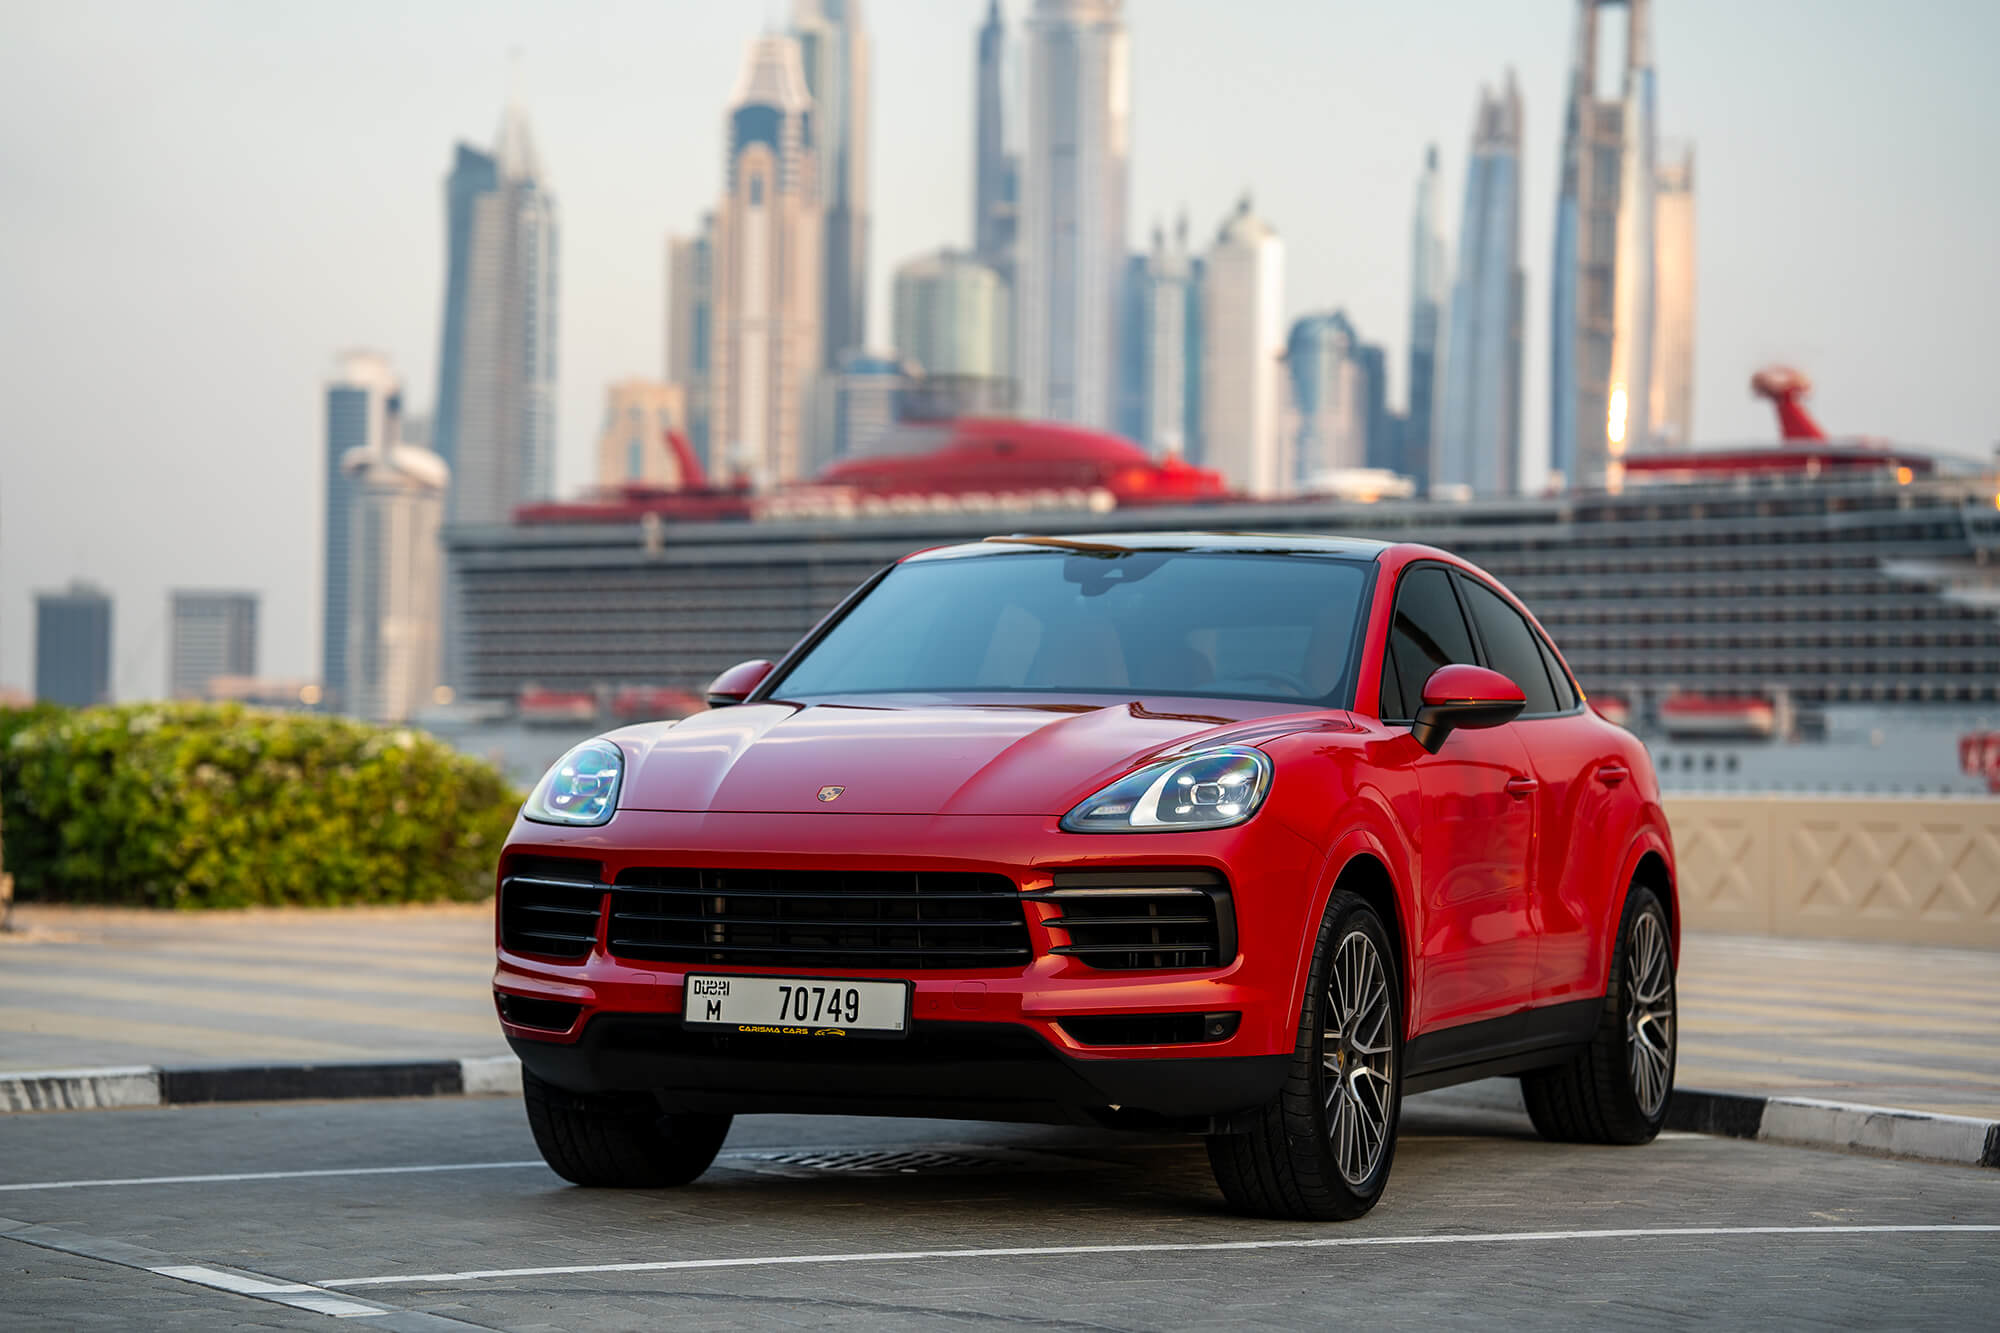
(1649, 1013)
(1357, 1056)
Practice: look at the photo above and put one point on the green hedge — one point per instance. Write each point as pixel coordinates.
(217, 805)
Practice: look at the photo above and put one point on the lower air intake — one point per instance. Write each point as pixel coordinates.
(1142, 920)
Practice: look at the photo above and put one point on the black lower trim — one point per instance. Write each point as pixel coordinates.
(273, 1083)
(1150, 1029)
(965, 1071)
(1511, 1044)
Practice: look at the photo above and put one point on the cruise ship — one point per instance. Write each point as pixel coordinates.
(1820, 615)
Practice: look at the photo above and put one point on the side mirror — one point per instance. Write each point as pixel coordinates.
(1462, 695)
(734, 685)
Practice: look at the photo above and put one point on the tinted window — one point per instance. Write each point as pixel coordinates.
(1427, 633)
(1163, 622)
(1511, 648)
(1565, 689)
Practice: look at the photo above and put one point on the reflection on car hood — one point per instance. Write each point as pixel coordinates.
(986, 759)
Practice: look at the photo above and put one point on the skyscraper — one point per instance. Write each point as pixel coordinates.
(210, 634)
(395, 578)
(768, 236)
(691, 327)
(1243, 341)
(1385, 429)
(950, 315)
(856, 408)
(632, 447)
(1601, 319)
(1672, 416)
(1427, 290)
(497, 365)
(473, 175)
(833, 49)
(1477, 446)
(73, 646)
(363, 404)
(1154, 403)
(1070, 244)
(1336, 391)
(995, 173)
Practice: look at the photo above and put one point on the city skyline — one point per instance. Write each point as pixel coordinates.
(1202, 180)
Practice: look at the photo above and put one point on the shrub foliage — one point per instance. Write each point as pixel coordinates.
(217, 805)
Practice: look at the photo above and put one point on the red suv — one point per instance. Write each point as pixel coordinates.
(1243, 835)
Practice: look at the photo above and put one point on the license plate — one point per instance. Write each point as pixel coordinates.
(798, 1006)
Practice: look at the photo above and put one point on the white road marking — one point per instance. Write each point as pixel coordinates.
(215, 1277)
(298, 1295)
(269, 1175)
(1038, 1251)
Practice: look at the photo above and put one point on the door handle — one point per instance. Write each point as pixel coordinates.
(1613, 774)
(1521, 788)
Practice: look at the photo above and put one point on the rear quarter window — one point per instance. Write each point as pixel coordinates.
(1512, 648)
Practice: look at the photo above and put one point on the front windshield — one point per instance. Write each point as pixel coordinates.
(1278, 627)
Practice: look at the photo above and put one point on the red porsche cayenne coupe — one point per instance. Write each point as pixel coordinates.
(1243, 835)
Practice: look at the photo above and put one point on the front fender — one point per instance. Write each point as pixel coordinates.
(1370, 829)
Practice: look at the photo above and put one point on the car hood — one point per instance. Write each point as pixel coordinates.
(992, 759)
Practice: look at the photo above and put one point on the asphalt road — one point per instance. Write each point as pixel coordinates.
(437, 1211)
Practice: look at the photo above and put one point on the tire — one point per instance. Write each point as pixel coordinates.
(1306, 1155)
(618, 1140)
(1617, 1089)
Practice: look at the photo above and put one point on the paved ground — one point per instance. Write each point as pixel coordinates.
(1885, 1025)
(1483, 1226)
(94, 987)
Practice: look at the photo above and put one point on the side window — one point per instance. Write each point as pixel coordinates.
(1565, 689)
(1511, 646)
(1428, 632)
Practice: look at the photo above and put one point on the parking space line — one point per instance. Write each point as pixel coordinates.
(1165, 1247)
(237, 1282)
(295, 1294)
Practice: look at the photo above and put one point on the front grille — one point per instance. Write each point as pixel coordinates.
(893, 920)
(549, 905)
(1142, 920)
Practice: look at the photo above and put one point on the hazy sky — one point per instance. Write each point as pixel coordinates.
(204, 201)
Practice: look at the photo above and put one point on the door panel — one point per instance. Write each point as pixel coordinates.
(1584, 822)
(1477, 956)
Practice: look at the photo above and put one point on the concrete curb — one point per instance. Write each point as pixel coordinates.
(187, 1085)
(1879, 1130)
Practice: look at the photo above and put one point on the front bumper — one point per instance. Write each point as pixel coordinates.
(949, 1070)
(986, 1043)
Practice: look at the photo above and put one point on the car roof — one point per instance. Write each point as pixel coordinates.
(1118, 543)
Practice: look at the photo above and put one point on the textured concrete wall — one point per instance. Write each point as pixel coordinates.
(1914, 870)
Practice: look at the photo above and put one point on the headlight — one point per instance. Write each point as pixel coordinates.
(582, 787)
(1213, 789)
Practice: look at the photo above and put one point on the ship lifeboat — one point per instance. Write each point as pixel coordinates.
(1718, 717)
(650, 703)
(540, 707)
(1979, 755)
(1613, 708)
